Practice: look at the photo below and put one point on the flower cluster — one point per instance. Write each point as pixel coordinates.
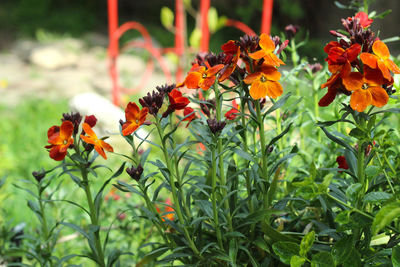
(360, 66)
(61, 138)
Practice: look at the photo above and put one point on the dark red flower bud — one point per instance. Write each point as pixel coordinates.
(341, 160)
(135, 173)
(215, 126)
(291, 30)
(91, 120)
(39, 175)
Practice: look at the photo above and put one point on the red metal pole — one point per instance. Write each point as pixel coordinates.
(266, 16)
(205, 32)
(179, 36)
(113, 49)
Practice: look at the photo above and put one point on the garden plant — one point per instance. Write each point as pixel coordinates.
(246, 162)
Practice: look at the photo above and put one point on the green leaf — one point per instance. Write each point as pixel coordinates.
(352, 191)
(195, 37)
(342, 249)
(286, 250)
(377, 197)
(372, 171)
(385, 216)
(322, 259)
(396, 256)
(167, 17)
(357, 133)
(306, 243)
(297, 261)
(278, 103)
(78, 158)
(337, 140)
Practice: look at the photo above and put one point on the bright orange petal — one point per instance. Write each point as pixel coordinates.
(129, 128)
(206, 83)
(88, 140)
(88, 130)
(379, 96)
(266, 43)
(258, 54)
(131, 111)
(380, 49)
(258, 90)
(271, 73)
(101, 152)
(66, 130)
(385, 71)
(106, 146)
(369, 60)
(193, 79)
(392, 66)
(212, 71)
(354, 81)
(360, 99)
(143, 115)
(252, 77)
(274, 89)
(272, 59)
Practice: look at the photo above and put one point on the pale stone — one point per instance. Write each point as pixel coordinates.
(52, 57)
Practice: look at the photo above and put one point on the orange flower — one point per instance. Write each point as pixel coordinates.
(99, 145)
(134, 118)
(264, 83)
(267, 52)
(367, 90)
(232, 113)
(168, 209)
(380, 60)
(200, 77)
(60, 139)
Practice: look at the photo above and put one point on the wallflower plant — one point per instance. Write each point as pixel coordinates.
(226, 173)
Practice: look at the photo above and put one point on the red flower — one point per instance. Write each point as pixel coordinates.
(232, 113)
(177, 101)
(186, 112)
(91, 138)
(339, 60)
(335, 87)
(60, 139)
(134, 118)
(364, 20)
(341, 160)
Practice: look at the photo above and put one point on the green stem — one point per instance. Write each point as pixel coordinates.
(384, 172)
(45, 228)
(176, 203)
(361, 171)
(263, 154)
(214, 198)
(222, 177)
(93, 217)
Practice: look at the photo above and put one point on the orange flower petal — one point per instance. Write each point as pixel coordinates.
(214, 70)
(392, 66)
(380, 49)
(101, 152)
(360, 99)
(369, 59)
(88, 140)
(143, 114)
(257, 90)
(206, 83)
(274, 89)
(385, 71)
(271, 73)
(354, 81)
(66, 130)
(106, 146)
(258, 54)
(272, 59)
(266, 43)
(352, 52)
(131, 111)
(129, 128)
(88, 130)
(327, 98)
(56, 154)
(193, 79)
(379, 96)
(252, 77)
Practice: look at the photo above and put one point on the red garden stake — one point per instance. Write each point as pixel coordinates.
(179, 36)
(113, 48)
(205, 32)
(266, 16)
